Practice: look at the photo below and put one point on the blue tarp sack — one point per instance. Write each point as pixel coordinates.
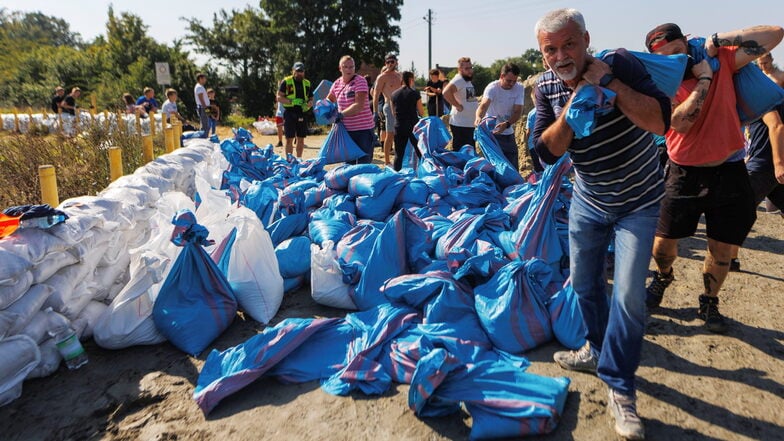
(755, 93)
(378, 207)
(322, 90)
(372, 184)
(511, 306)
(339, 147)
(414, 192)
(293, 283)
(325, 112)
(339, 177)
(354, 248)
(566, 317)
(505, 174)
(262, 198)
(472, 227)
(403, 247)
(286, 227)
(242, 135)
(666, 70)
(196, 303)
(588, 104)
(293, 257)
(192, 135)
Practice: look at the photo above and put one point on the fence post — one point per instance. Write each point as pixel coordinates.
(168, 135)
(48, 180)
(152, 123)
(138, 122)
(177, 126)
(147, 152)
(16, 121)
(115, 163)
(106, 120)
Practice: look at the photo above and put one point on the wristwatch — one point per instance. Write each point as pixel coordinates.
(605, 80)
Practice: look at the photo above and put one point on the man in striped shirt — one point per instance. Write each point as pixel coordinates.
(618, 186)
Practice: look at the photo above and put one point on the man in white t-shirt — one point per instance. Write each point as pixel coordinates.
(460, 94)
(202, 102)
(503, 100)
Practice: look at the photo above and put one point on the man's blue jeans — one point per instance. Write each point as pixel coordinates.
(614, 325)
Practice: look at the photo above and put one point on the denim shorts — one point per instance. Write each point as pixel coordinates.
(722, 193)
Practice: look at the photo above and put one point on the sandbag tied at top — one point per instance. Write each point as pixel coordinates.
(325, 112)
(196, 303)
(339, 147)
(512, 306)
(756, 94)
(505, 173)
(566, 317)
(589, 103)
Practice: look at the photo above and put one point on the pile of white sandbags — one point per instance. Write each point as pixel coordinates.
(51, 122)
(78, 273)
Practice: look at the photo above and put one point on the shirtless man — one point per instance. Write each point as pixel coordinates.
(387, 83)
(765, 63)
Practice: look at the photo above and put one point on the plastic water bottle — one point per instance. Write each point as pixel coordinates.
(42, 222)
(66, 340)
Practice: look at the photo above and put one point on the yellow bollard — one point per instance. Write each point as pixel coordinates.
(16, 120)
(152, 123)
(48, 180)
(115, 163)
(147, 152)
(168, 137)
(106, 119)
(30, 124)
(121, 122)
(177, 126)
(138, 122)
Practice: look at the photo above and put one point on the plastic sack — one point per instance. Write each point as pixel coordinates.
(247, 258)
(756, 93)
(339, 177)
(566, 318)
(326, 278)
(20, 356)
(325, 112)
(339, 147)
(511, 306)
(665, 70)
(505, 174)
(589, 103)
(293, 257)
(196, 303)
(128, 319)
(286, 227)
(354, 249)
(22, 311)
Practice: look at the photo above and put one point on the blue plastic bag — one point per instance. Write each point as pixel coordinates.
(325, 112)
(566, 317)
(196, 303)
(339, 147)
(505, 174)
(293, 257)
(588, 104)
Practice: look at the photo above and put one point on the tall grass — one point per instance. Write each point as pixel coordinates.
(81, 162)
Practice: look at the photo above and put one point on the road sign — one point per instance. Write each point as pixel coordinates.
(162, 74)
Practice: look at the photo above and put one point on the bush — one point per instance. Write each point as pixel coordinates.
(234, 120)
(81, 162)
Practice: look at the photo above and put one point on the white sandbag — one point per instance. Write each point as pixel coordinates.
(214, 209)
(119, 190)
(253, 267)
(13, 265)
(6, 323)
(50, 360)
(326, 278)
(107, 276)
(141, 176)
(32, 244)
(38, 326)
(128, 319)
(102, 209)
(73, 229)
(93, 245)
(54, 262)
(12, 293)
(20, 356)
(23, 310)
(85, 323)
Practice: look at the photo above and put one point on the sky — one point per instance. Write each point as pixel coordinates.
(485, 30)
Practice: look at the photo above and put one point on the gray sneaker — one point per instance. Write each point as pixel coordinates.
(581, 360)
(623, 409)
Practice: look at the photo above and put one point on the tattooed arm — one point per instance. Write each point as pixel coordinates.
(686, 113)
(751, 42)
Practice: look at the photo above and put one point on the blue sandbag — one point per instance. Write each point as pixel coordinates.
(470, 228)
(415, 192)
(286, 227)
(196, 303)
(566, 318)
(511, 306)
(331, 229)
(315, 196)
(293, 256)
(262, 197)
(666, 70)
(588, 104)
(354, 248)
(325, 112)
(379, 207)
(293, 283)
(505, 174)
(339, 147)
(338, 178)
(372, 184)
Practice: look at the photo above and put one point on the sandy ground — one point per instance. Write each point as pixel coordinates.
(693, 385)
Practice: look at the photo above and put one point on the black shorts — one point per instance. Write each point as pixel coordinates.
(765, 185)
(294, 125)
(722, 193)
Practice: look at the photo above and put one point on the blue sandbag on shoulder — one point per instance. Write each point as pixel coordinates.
(325, 112)
(293, 256)
(339, 147)
(589, 103)
(196, 303)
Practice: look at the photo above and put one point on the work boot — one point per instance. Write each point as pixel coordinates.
(735, 265)
(623, 409)
(581, 360)
(655, 290)
(709, 311)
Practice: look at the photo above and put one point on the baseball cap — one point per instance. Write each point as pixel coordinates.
(390, 56)
(661, 35)
(298, 66)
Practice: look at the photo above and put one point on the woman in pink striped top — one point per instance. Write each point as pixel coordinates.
(350, 92)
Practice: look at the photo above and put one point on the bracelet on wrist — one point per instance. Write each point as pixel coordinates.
(715, 39)
(705, 78)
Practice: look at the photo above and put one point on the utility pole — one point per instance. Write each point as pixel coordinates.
(429, 20)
